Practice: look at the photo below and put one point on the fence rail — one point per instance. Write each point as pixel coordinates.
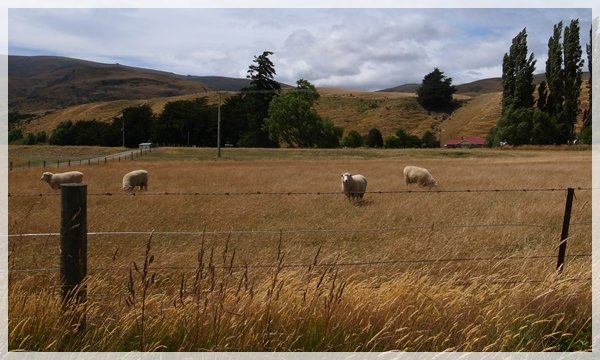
(129, 154)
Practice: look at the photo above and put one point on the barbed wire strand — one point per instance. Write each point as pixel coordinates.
(290, 193)
(432, 226)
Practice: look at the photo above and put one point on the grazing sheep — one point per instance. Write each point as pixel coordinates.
(418, 175)
(354, 186)
(135, 178)
(54, 180)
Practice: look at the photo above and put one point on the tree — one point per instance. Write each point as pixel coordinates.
(585, 136)
(553, 104)
(435, 92)
(352, 140)
(14, 135)
(587, 117)
(137, 121)
(187, 122)
(524, 126)
(407, 140)
(293, 120)
(244, 114)
(517, 75)
(262, 75)
(63, 134)
(374, 138)
(573, 64)
(392, 141)
(428, 140)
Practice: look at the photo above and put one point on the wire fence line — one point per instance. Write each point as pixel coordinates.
(300, 193)
(432, 226)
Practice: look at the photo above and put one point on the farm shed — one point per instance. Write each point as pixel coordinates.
(145, 146)
(465, 142)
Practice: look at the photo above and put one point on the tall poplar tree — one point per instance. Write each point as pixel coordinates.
(517, 75)
(587, 117)
(573, 66)
(555, 75)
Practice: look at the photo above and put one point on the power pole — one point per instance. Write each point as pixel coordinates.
(219, 128)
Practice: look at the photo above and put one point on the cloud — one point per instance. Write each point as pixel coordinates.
(363, 48)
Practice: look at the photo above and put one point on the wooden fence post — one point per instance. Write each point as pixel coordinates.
(562, 248)
(11, 166)
(44, 164)
(69, 164)
(73, 251)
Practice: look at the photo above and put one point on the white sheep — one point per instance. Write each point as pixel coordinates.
(354, 186)
(135, 178)
(54, 180)
(418, 175)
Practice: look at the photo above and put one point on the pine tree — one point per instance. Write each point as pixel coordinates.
(435, 92)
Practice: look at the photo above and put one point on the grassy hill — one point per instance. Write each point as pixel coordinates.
(57, 89)
(43, 83)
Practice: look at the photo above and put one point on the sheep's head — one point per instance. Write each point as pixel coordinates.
(346, 178)
(47, 176)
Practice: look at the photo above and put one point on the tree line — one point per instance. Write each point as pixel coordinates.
(551, 116)
(260, 115)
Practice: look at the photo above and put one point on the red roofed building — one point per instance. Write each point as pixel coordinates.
(465, 142)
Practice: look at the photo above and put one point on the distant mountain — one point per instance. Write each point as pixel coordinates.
(406, 88)
(478, 87)
(222, 83)
(44, 83)
(38, 83)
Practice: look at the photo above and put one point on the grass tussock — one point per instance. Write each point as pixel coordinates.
(408, 271)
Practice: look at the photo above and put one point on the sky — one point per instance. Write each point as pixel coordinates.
(361, 48)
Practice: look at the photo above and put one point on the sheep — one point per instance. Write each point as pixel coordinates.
(135, 178)
(55, 180)
(418, 175)
(354, 186)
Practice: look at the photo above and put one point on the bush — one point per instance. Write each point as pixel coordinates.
(353, 140)
(14, 135)
(392, 142)
(374, 138)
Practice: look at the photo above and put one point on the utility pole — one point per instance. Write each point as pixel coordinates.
(123, 129)
(219, 127)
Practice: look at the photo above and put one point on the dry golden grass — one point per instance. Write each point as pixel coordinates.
(314, 272)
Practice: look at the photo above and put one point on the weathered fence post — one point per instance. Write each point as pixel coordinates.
(89, 161)
(44, 164)
(11, 166)
(562, 248)
(73, 251)
(69, 163)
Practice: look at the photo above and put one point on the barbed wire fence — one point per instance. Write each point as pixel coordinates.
(77, 213)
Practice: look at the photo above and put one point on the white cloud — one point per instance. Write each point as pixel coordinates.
(363, 48)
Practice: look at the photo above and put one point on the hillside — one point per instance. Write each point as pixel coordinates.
(44, 83)
(56, 89)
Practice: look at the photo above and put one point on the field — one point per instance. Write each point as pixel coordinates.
(260, 251)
